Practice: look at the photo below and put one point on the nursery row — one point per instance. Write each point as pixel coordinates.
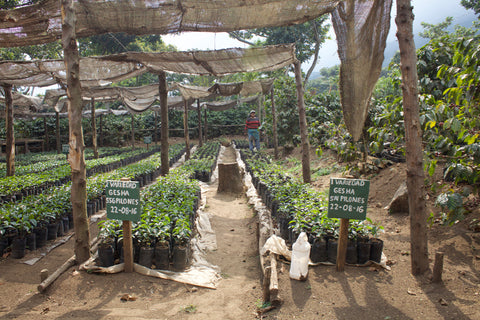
(25, 159)
(162, 236)
(297, 207)
(203, 161)
(35, 213)
(15, 187)
(169, 206)
(38, 162)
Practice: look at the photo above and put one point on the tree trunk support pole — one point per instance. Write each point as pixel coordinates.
(57, 132)
(163, 91)
(45, 130)
(76, 156)
(342, 244)
(199, 115)
(274, 124)
(94, 129)
(303, 124)
(10, 135)
(101, 131)
(133, 130)
(206, 123)
(155, 131)
(413, 139)
(185, 129)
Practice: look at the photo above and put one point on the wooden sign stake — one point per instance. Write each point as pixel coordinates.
(127, 246)
(342, 244)
(127, 242)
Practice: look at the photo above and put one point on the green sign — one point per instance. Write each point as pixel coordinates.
(348, 198)
(65, 148)
(147, 139)
(123, 200)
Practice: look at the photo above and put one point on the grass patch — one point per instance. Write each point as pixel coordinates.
(190, 308)
(263, 305)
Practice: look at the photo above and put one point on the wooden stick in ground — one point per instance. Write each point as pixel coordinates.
(264, 232)
(64, 267)
(438, 267)
(128, 246)
(70, 262)
(342, 244)
(266, 283)
(274, 299)
(127, 242)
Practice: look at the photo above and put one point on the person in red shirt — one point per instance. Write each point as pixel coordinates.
(251, 127)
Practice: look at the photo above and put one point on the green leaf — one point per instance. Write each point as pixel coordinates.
(456, 125)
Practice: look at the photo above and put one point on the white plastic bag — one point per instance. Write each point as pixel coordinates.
(300, 258)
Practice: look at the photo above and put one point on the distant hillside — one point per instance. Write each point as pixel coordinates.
(314, 75)
(392, 46)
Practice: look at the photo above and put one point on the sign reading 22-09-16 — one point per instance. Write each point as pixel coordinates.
(123, 200)
(348, 198)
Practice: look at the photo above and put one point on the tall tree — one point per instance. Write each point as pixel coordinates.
(110, 43)
(76, 157)
(413, 138)
(472, 4)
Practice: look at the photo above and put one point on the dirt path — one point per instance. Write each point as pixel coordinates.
(79, 295)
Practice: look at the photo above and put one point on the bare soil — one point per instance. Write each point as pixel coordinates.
(358, 293)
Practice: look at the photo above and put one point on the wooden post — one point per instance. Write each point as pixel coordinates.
(206, 124)
(101, 131)
(76, 156)
(438, 267)
(163, 91)
(185, 129)
(155, 130)
(342, 244)
(133, 130)
(274, 299)
(274, 125)
(10, 143)
(413, 139)
(259, 109)
(45, 130)
(199, 115)
(266, 283)
(127, 242)
(57, 132)
(127, 246)
(303, 124)
(94, 130)
(49, 280)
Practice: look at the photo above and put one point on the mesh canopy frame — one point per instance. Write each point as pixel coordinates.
(41, 23)
(43, 73)
(212, 62)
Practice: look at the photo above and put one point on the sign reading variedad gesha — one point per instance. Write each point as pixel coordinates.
(348, 198)
(123, 200)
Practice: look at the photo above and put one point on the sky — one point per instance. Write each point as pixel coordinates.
(430, 11)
